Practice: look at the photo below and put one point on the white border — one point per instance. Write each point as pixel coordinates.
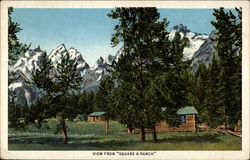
(5, 154)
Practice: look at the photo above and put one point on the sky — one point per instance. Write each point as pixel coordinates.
(90, 30)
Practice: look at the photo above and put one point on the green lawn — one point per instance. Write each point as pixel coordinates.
(91, 136)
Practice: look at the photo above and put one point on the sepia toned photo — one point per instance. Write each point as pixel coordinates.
(124, 81)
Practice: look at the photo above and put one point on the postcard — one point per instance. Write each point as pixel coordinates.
(124, 80)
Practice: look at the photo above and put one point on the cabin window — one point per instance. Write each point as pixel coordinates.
(182, 119)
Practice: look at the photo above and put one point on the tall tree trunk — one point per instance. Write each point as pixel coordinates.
(224, 117)
(154, 134)
(142, 134)
(130, 130)
(107, 126)
(63, 130)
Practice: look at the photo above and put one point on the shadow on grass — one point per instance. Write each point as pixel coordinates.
(115, 144)
(175, 139)
(44, 140)
(54, 143)
(93, 143)
(194, 138)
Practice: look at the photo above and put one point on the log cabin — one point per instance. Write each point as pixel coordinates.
(186, 118)
(97, 117)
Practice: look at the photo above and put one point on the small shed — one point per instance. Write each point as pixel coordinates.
(97, 117)
(187, 117)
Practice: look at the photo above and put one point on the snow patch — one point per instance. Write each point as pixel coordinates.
(15, 85)
(195, 40)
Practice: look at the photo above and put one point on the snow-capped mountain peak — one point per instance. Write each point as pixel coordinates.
(201, 49)
(61, 48)
(56, 54)
(205, 53)
(75, 54)
(195, 40)
(99, 63)
(26, 64)
(28, 94)
(109, 60)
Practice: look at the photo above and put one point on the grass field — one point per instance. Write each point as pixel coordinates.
(91, 136)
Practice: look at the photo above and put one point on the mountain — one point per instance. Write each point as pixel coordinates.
(200, 50)
(56, 55)
(205, 53)
(96, 73)
(28, 94)
(25, 92)
(195, 40)
(26, 64)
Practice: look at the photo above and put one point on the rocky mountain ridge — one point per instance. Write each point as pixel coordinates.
(200, 50)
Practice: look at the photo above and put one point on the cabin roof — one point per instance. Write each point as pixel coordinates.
(96, 114)
(187, 110)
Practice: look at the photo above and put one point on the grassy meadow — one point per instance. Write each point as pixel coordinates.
(91, 136)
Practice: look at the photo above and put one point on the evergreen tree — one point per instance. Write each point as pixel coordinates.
(143, 38)
(229, 48)
(59, 89)
(40, 111)
(149, 54)
(126, 95)
(212, 102)
(201, 77)
(172, 87)
(41, 77)
(15, 48)
(180, 70)
(104, 99)
(85, 102)
(14, 115)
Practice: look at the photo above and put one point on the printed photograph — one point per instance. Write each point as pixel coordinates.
(126, 78)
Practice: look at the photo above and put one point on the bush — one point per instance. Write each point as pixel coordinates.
(15, 114)
(81, 118)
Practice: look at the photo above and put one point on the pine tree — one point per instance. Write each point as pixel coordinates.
(67, 81)
(15, 48)
(149, 54)
(85, 103)
(201, 77)
(104, 99)
(212, 101)
(14, 115)
(41, 76)
(59, 89)
(143, 39)
(180, 70)
(172, 86)
(229, 48)
(124, 93)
